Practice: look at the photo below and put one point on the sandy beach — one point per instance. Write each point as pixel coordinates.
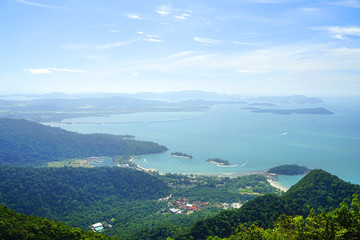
(276, 185)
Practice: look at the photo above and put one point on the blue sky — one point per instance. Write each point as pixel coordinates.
(248, 47)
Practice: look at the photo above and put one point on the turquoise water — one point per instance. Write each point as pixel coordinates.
(249, 141)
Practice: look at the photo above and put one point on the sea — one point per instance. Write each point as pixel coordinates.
(249, 141)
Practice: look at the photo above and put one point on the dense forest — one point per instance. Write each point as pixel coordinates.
(127, 198)
(289, 169)
(79, 196)
(28, 143)
(16, 226)
(341, 223)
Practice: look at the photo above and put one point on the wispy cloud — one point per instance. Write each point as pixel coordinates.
(133, 16)
(36, 4)
(181, 54)
(113, 45)
(183, 16)
(52, 69)
(114, 30)
(343, 32)
(153, 40)
(163, 10)
(206, 40)
(346, 3)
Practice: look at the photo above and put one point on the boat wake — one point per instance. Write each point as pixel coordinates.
(282, 134)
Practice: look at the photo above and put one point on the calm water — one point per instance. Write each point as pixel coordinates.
(250, 141)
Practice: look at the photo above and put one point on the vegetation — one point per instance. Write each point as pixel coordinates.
(128, 199)
(292, 169)
(218, 161)
(318, 190)
(16, 226)
(55, 109)
(180, 154)
(28, 143)
(342, 223)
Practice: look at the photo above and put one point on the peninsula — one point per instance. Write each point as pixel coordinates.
(294, 111)
(180, 154)
(218, 161)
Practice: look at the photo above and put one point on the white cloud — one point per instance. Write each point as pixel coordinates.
(136, 73)
(153, 40)
(40, 71)
(152, 36)
(183, 16)
(350, 31)
(112, 45)
(347, 51)
(114, 30)
(339, 36)
(163, 10)
(52, 69)
(140, 32)
(245, 43)
(36, 4)
(206, 40)
(133, 16)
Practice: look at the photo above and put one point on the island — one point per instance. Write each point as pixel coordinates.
(294, 111)
(289, 169)
(218, 161)
(180, 154)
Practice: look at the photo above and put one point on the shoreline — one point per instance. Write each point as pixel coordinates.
(269, 176)
(276, 184)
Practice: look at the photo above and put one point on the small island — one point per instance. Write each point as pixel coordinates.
(290, 169)
(218, 161)
(180, 154)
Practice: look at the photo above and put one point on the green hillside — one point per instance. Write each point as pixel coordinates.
(28, 143)
(81, 196)
(318, 190)
(16, 226)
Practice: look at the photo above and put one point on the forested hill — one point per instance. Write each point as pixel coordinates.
(79, 196)
(28, 143)
(16, 226)
(318, 190)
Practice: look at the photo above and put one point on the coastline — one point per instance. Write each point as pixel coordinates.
(276, 184)
(269, 176)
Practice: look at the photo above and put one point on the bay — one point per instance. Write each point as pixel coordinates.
(249, 141)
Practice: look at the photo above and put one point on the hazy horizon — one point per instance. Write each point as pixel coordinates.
(250, 47)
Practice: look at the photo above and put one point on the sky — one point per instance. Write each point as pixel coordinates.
(248, 47)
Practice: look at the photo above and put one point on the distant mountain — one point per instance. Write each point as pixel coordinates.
(294, 111)
(286, 99)
(318, 190)
(164, 96)
(56, 109)
(28, 143)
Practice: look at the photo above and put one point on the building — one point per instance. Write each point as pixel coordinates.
(97, 227)
(175, 210)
